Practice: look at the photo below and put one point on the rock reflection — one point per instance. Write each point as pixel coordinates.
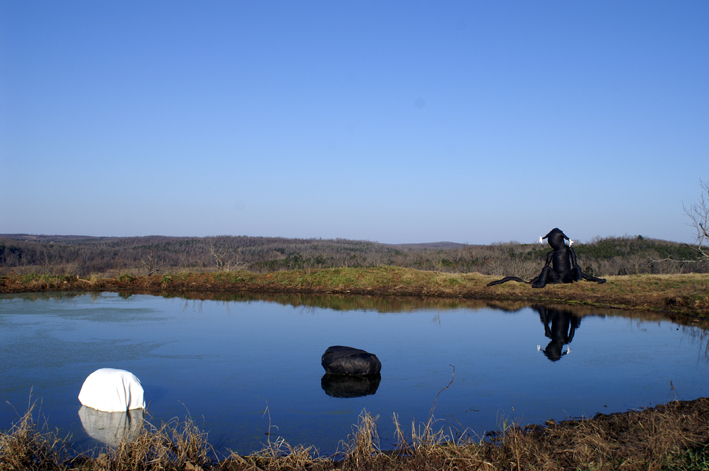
(111, 427)
(350, 385)
(560, 326)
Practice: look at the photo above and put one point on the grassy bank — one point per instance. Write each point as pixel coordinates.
(673, 436)
(686, 294)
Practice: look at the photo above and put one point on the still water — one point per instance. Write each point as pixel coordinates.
(225, 363)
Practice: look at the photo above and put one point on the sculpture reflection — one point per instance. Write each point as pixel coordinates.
(111, 427)
(560, 326)
(350, 385)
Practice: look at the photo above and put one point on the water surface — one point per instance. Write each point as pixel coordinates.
(225, 363)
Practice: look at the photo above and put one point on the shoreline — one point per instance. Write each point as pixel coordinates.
(684, 294)
(668, 436)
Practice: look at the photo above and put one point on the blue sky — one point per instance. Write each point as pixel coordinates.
(395, 121)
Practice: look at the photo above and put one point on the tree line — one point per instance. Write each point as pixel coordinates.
(113, 256)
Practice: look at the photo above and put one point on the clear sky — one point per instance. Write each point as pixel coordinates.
(389, 121)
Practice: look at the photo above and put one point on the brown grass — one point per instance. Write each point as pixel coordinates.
(174, 445)
(672, 436)
(23, 447)
(686, 294)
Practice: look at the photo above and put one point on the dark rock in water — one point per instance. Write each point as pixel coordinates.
(350, 385)
(340, 360)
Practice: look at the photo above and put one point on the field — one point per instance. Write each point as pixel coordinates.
(682, 294)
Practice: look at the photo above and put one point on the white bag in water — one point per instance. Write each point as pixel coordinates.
(111, 428)
(112, 390)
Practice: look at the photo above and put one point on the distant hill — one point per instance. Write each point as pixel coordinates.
(431, 245)
(68, 238)
(112, 256)
(45, 238)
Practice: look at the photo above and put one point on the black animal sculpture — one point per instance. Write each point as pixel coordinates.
(560, 267)
(560, 326)
(350, 361)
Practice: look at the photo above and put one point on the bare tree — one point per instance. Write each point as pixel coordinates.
(698, 214)
(151, 265)
(48, 259)
(225, 259)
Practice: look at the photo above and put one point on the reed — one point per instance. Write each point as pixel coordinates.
(671, 436)
(362, 451)
(173, 445)
(25, 447)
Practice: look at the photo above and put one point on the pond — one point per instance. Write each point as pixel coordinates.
(238, 364)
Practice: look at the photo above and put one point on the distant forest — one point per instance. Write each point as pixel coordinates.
(113, 256)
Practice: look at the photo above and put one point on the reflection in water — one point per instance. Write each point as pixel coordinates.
(380, 304)
(560, 326)
(52, 342)
(111, 427)
(350, 385)
(339, 302)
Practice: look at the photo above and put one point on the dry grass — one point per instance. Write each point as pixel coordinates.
(362, 450)
(672, 436)
(24, 447)
(683, 294)
(174, 445)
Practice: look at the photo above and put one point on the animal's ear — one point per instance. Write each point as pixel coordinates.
(571, 242)
(541, 239)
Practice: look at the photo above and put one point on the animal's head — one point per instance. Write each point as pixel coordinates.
(556, 237)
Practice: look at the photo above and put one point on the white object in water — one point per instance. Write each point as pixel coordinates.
(112, 390)
(111, 428)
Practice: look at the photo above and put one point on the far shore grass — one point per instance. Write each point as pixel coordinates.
(685, 294)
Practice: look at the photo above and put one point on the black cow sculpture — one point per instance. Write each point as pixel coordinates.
(350, 361)
(560, 267)
(560, 326)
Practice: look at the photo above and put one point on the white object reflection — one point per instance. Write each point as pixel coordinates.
(111, 427)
